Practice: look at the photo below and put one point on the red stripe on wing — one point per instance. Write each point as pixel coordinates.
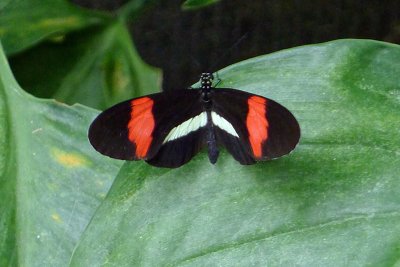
(141, 125)
(257, 124)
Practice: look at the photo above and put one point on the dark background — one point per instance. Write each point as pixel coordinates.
(185, 43)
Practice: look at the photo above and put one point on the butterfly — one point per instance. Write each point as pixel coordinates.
(168, 129)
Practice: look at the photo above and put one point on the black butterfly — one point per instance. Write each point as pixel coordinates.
(167, 129)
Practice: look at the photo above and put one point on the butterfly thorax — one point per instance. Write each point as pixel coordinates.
(206, 80)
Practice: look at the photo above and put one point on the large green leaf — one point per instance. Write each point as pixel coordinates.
(51, 180)
(335, 201)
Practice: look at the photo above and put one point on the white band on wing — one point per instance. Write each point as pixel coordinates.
(195, 123)
(223, 124)
(191, 125)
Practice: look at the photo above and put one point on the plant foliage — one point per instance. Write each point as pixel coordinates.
(334, 201)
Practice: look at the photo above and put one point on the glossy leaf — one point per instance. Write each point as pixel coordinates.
(334, 201)
(51, 180)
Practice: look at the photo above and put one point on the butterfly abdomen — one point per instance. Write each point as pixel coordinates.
(211, 140)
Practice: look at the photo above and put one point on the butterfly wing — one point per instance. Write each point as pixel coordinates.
(148, 128)
(265, 129)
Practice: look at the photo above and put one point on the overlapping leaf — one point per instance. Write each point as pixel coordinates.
(83, 56)
(24, 23)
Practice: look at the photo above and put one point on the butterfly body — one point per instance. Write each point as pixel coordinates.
(168, 129)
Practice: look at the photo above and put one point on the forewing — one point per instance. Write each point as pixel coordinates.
(265, 128)
(136, 129)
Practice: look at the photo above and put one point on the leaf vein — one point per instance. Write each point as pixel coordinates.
(266, 236)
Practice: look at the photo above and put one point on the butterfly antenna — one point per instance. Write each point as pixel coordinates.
(195, 61)
(226, 53)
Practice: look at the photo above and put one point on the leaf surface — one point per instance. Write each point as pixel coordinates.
(51, 179)
(334, 201)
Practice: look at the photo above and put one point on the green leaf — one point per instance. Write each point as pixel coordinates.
(196, 4)
(51, 179)
(96, 67)
(27, 22)
(334, 201)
